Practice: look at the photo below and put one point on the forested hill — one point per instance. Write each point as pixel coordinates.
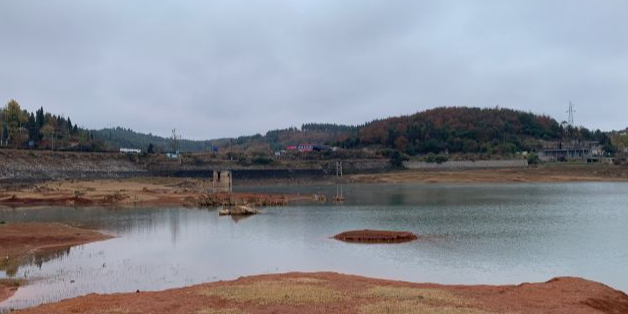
(272, 140)
(20, 128)
(120, 137)
(466, 130)
(495, 131)
(456, 130)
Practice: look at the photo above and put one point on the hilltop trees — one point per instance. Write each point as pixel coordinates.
(464, 130)
(15, 120)
(21, 129)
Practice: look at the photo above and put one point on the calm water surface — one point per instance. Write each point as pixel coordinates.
(493, 234)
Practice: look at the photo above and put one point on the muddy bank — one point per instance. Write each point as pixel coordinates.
(376, 236)
(20, 241)
(335, 293)
(8, 287)
(547, 173)
(136, 192)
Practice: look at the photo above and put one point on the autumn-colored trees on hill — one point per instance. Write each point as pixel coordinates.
(465, 130)
(456, 130)
(22, 129)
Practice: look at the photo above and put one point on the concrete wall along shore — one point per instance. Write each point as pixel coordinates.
(24, 166)
(32, 166)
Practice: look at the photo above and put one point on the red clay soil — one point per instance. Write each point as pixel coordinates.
(376, 236)
(19, 240)
(310, 293)
(6, 292)
(23, 238)
(8, 287)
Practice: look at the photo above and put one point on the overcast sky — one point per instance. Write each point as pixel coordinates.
(228, 68)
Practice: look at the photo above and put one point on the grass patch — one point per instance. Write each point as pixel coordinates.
(405, 293)
(415, 307)
(276, 293)
(307, 280)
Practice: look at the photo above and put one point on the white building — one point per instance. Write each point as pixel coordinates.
(130, 150)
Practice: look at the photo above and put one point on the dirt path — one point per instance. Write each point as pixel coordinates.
(333, 293)
(21, 240)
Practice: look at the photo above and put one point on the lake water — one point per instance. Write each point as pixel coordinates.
(471, 234)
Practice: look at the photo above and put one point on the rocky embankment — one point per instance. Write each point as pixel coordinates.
(28, 166)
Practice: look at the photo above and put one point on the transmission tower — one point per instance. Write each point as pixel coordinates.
(175, 141)
(570, 112)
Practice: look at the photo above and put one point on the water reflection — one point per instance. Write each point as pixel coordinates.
(491, 234)
(11, 267)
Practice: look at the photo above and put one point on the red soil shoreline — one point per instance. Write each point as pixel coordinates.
(310, 293)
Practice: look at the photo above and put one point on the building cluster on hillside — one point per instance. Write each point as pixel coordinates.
(304, 148)
(570, 150)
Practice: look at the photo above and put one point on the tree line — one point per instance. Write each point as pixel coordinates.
(494, 131)
(456, 130)
(20, 128)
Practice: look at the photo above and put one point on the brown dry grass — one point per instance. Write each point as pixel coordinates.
(318, 293)
(222, 311)
(11, 283)
(305, 291)
(292, 292)
(116, 310)
(415, 307)
(414, 294)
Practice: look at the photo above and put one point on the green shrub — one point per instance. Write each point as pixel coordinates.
(433, 158)
(533, 159)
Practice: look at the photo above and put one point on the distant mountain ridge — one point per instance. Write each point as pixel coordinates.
(445, 129)
(120, 137)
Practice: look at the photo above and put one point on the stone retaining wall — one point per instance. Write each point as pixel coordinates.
(22, 165)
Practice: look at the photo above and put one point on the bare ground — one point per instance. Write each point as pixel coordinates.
(543, 173)
(310, 293)
(136, 192)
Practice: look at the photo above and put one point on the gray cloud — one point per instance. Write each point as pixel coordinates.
(234, 67)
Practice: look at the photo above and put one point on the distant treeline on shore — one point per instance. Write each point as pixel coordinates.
(451, 130)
